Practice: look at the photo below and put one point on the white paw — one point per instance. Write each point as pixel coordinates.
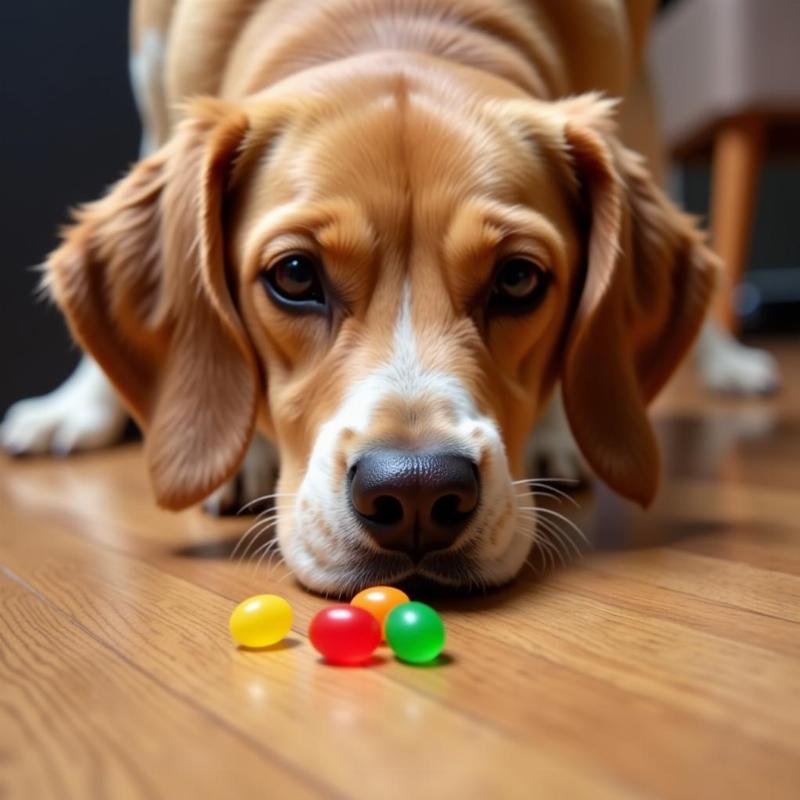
(727, 366)
(556, 455)
(255, 479)
(84, 413)
(552, 451)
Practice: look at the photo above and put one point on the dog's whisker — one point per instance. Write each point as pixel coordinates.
(549, 552)
(550, 491)
(561, 536)
(559, 498)
(263, 527)
(544, 481)
(552, 534)
(264, 548)
(267, 511)
(543, 547)
(556, 545)
(251, 530)
(248, 533)
(273, 565)
(268, 550)
(533, 568)
(288, 572)
(551, 512)
(264, 499)
(541, 543)
(269, 516)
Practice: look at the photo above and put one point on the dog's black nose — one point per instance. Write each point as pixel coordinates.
(414, 501)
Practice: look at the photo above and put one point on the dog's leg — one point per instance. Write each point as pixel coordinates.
(255, 479)
(552, 450)
(146, 66)
(725, 365)
(84, 413)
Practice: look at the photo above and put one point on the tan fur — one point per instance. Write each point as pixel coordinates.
(404, 143)
(141, 275)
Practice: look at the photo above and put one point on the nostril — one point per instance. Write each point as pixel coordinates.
(388, 511)
(413, 501)
(450, 510)
(380, 509)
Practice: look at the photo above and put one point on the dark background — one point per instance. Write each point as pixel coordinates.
(69, 129)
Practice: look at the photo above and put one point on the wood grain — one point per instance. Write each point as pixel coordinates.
(80, 720)
(664, 663)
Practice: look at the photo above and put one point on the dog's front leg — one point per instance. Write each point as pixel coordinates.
(552, 450)
(729, 367)
(255, 479)
(84, 413)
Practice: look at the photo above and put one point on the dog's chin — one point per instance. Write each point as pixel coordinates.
(463, 570)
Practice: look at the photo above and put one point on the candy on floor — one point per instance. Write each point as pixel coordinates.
(415, 632)
(261, 620)
(345, 635)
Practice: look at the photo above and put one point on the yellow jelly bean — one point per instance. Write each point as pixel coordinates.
(261, 620)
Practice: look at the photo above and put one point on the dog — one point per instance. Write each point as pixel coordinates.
(384, 235)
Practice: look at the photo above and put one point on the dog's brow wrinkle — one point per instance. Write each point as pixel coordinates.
(349, 235)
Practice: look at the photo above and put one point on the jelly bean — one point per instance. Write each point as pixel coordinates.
(345, 634)
(415, 632)
(261, 620)
(379, 601)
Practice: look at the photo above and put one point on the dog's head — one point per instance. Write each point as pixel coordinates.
(389, 280)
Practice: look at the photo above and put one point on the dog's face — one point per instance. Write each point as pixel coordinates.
(390, 284)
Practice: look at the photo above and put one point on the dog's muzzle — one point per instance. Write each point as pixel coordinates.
(414, 502)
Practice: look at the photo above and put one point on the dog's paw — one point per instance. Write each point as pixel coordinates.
(552, 451)
(255, 479)
(727, 366)
(84, 413)
(555, 454)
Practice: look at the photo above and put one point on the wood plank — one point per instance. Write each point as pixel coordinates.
(665, 664)
(627, 590)
(580, 707)
(765, 592)
(397, 741)
(78, 721)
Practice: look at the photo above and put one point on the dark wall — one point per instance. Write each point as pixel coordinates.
(775, 240)
(68, 129)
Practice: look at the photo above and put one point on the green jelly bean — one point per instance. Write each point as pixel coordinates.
(415, 632)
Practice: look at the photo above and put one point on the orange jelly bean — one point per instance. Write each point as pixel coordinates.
(379, 601)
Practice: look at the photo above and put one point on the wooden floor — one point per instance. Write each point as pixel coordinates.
(665, 663)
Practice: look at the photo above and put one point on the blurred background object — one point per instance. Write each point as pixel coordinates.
(726, 75)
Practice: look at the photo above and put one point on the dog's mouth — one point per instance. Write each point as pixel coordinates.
(343, 563)
(438, 572)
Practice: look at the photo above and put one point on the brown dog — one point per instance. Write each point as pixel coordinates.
(382, 232)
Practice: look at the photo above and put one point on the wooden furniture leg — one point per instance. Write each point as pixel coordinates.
(735, 164)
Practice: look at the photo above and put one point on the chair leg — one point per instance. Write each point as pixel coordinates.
(736, 159)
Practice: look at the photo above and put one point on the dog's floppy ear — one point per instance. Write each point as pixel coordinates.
(141, 278)
(647, 284)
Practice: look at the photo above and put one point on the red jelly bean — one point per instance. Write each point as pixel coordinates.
(345, 634)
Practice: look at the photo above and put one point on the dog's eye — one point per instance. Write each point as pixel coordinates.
(294, 280)
(519, 285)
